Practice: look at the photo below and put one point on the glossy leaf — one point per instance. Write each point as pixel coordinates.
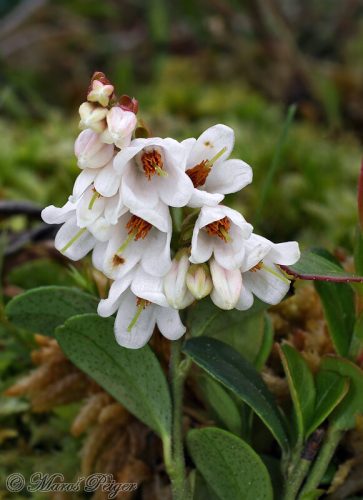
(221, 404)
(228, 367)
(133, 377)
(330, 390)
(343, 417)
(301, 385)
(267, 343)
(312, 266)
(229, 465)
(42, 309)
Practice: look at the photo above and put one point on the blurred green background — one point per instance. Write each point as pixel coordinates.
(192, 64)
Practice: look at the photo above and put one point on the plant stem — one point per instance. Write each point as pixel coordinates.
(296, 478)
(175, 461)
(327, 451)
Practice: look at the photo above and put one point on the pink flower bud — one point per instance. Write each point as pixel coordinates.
(90, 151)
(120, 126)
(100, 90)
(199, 281)
(92, 117)
(227, 286)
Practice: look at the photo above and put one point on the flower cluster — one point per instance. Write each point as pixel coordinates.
(120, 210)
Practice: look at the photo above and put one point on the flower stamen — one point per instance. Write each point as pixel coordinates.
(137, 228)
(220, 228)
(95, 197)
(141, 304)
(152, 163)
(200, 172)
(73, 240)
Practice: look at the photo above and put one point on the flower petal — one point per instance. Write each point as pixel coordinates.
(56, 215)
(169, 323)
(226, 286)
(137, 193)
(99, 254)
(202, 247)
(156, 259)
(89, 208)
(83, 182)
(285, 253)
(108, 307)
(107, 182)
(210, 143)
(246, 299)
(201, 198)
(176, 189)
(270, 287)
(148, 287)
(158, 216)
(83, 242)
(257, 247)
(228, 177)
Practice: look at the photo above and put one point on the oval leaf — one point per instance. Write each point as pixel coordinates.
(132, 377)
(228, 367)
(42, 309)
(301, 385)
(229, 465)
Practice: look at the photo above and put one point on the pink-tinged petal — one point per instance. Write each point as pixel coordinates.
(201, 198)
(226, 286)
(285, 253)
(169, 323)
(73, 241)
(210, 143)
(156, 258)
(270, 285)
(83, 182)
(107, 182)
(108, 307)
(202, 247)
(228, 177)
(137, 192)
(246, 299)
(90, 151)
(56, 215)
(148, 287)
(140, 333)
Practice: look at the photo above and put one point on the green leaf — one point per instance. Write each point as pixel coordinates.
(43, 309)
(40, 272)
(243, 330)
(228, 367)
(343, 417)
(357, 340)
(339, 309)
(132, 377)
(301, 385)
(312, 266)
(330, 390)
(229, 465)
(221, 404)
(267, 343)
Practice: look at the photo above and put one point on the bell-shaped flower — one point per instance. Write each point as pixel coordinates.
(152, 170)
(175, 286)
(199, 281)
(92, 117)
(90, 151)
(100, 90)
(120, 127)
(140, 236)
(141, 305)
(212, 172)
(227, 285)
(222, 232)
(261, 274)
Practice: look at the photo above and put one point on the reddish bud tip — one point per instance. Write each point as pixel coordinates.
(128, 103)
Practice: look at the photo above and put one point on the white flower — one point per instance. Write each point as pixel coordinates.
(212, 173)
(175, 286)
(199, 281)
(120, 127)
(90, 151)
(221, 231)
(261, 275)
(100, 92)
(140, 304)
(92, 117)
(152, 170)
(140, 236)
(227, 286)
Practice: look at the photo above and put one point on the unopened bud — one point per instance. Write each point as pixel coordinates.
(90, 151)
(92, 117)
(100, 89)
(175, 288)
(199, 281)
(128, 103)
(120, 127)
(227, 286)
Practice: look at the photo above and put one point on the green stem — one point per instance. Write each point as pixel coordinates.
(326, 453)
(296, 478)
(174, 458)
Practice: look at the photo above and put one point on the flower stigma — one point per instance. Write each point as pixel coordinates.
(137, 228)
(200, 172)
(220, 228)
(95, 197)
(141, 304)
(73, 240)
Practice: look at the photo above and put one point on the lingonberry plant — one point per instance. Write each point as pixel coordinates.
(151, 212)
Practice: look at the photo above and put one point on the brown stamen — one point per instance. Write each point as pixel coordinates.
(152, 163)
(138, 227)
(117, 260)
(257, 267)
(219, 228)
(199, 173)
